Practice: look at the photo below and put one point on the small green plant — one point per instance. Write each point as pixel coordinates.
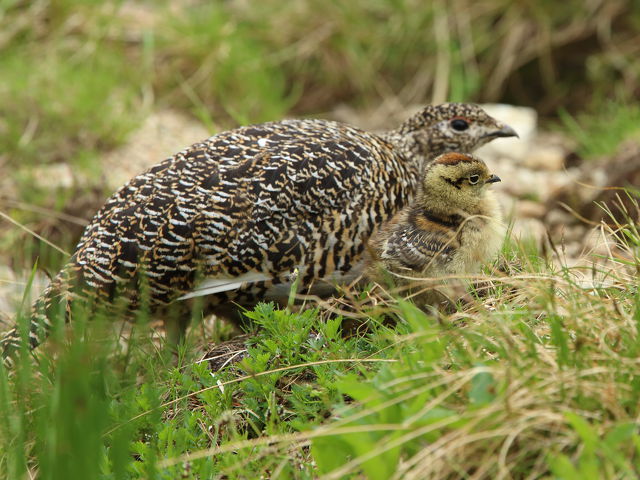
(599, 455)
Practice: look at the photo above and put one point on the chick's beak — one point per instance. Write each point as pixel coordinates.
(493, 179)
(503, 130)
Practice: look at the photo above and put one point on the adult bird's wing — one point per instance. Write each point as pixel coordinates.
(247, 205)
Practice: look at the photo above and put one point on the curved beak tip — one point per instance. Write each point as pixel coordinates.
(506, 131)
(493, 179)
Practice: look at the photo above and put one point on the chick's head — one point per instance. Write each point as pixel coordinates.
(456, 181)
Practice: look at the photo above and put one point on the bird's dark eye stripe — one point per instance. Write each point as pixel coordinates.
(459, 124)
(455, 183)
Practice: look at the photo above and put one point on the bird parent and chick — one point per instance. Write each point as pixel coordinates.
(228, 220)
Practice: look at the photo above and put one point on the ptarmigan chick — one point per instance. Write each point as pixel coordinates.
(452, 227)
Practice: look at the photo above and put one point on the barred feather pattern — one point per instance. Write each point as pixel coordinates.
(417, 240)
(251, 206)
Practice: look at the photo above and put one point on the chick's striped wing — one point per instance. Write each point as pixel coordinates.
(410, 249)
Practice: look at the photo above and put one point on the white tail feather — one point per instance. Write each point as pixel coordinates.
(322, 287)
(216, 285)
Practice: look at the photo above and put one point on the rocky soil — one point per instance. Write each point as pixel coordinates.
(547, 191)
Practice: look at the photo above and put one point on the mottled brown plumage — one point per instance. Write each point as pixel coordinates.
(234, 217)
(453, 225)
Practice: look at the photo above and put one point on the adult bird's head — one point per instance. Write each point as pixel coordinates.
(449, 127)
(456, 181)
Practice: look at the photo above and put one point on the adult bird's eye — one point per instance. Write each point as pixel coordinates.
(459, 124)
(473, 179)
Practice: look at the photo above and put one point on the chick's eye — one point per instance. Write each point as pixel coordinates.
(473, 179)
(459, 124)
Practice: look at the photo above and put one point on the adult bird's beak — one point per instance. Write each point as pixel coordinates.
(493, 179)
(502, 131)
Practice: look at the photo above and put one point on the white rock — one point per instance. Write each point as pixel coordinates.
(523, 120)
(161, 135)
(53, 176)
(529, 209)
(545, 158)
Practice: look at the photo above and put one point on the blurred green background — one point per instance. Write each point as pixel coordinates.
(80, 80)
(78, 77)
